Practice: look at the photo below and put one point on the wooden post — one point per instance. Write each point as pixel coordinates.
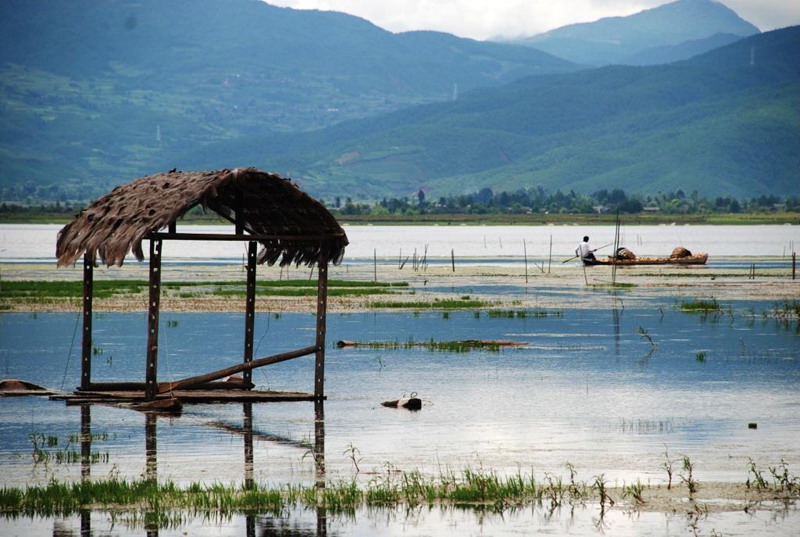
(86, 341)
(151, 374)
(322, 306)
(794, 265)
(453, 259)
(250, 309)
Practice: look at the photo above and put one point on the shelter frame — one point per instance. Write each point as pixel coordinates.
(264, 208)
(152, 387)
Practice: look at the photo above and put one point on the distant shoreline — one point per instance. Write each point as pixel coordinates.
(537, 219)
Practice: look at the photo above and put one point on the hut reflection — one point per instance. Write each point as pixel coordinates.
(254, 525)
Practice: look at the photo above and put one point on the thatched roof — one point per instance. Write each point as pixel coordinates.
(291, 226)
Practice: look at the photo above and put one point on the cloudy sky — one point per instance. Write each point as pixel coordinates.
(484, 19)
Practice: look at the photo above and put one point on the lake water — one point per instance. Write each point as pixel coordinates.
(37, 243)
(587, 389)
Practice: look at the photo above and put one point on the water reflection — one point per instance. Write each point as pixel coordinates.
(253, 525)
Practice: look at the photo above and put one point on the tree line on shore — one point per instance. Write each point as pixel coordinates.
(523, 201)
(538, 200)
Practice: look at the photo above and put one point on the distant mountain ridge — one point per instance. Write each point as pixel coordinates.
(726, 123)
(615, 40)
(100, 90)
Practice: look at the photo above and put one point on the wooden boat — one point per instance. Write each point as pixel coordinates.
(696, 259)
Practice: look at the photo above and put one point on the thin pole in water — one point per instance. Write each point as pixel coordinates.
(525, 250)
(375, 264)
(453, 259)
(550, 257)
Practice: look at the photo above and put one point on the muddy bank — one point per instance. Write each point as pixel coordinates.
(563, 287)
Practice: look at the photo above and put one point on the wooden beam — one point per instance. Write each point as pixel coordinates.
(238, 237)
(86, 340)
(151, 371)
(274, 359)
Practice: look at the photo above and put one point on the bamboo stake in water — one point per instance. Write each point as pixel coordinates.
(525, 250)
(453, 259)
(614, 253)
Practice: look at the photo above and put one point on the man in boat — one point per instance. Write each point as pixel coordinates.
(585, 252)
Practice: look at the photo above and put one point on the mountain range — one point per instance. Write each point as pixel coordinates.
(94, 93)
(723, 123)
(658, 35)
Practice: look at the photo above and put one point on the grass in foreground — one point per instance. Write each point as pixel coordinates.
(467, 488)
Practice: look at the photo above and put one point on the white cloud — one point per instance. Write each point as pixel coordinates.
(484, 19)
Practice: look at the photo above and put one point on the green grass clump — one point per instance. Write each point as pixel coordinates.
(701, 306)
(437, 304)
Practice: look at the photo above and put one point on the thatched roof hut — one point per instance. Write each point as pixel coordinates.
(290, 225)
(266, 209)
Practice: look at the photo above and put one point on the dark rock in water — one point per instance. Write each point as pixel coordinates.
(411, 403)
(752, 425)
(16, 385)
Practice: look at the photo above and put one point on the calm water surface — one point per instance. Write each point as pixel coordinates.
(587, 389)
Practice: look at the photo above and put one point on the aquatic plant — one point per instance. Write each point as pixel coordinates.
(646, 335)
(758, 481)
(354, 454)
(635, 491)
(600, 486)
(667, 465)
(700, 356)
(687, 477)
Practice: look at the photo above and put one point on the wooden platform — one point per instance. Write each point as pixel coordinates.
(185, 396)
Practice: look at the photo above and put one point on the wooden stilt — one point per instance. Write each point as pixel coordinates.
(86, 347)
(322, 306)
(247, 424)
(151, 374)
(250, 309)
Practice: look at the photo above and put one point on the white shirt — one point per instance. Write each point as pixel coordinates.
(583, 250)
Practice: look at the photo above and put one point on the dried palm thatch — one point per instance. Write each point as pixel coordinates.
(679, 253)
(290, 225)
